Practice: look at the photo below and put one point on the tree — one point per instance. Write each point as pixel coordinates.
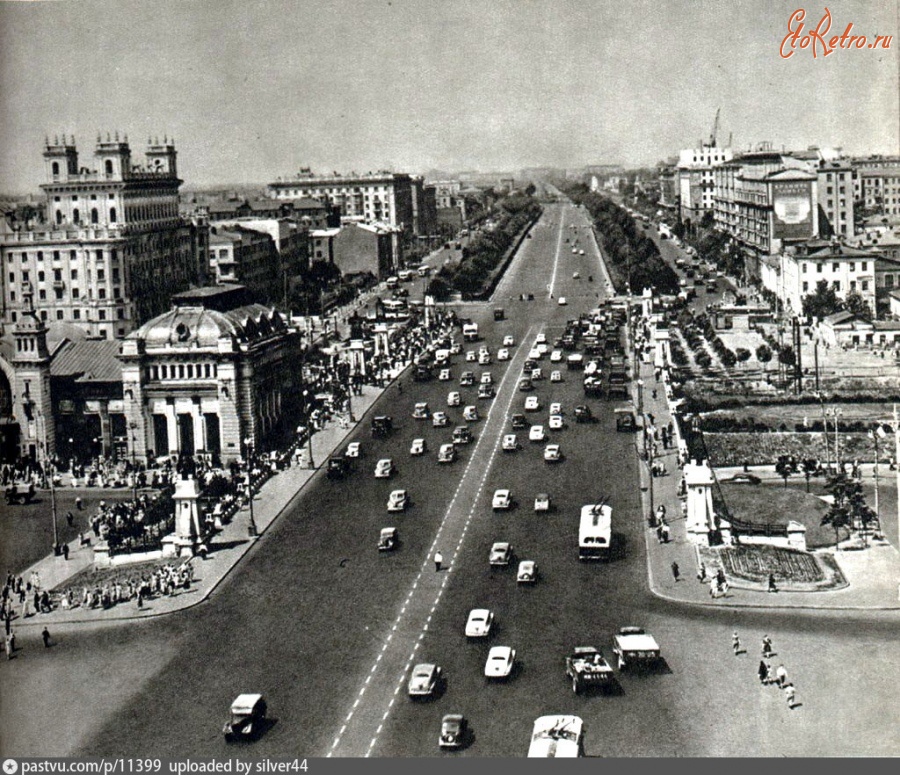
(786, 356)
(810, 466)
(849, 507)
(530, 189)
(439, 289)
(742, 354)
(822, 302)
(858, 306)
(708, 219)
(763, 354)
(784, 468)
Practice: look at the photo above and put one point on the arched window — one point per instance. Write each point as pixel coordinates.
(75, 215)
(112, 214)
(58, 217)
(109, 167)
(95, 216)
(55, 168)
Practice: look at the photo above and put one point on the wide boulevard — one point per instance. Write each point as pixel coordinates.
(327, 627)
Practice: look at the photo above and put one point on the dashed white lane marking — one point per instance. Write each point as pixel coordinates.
(510, 371)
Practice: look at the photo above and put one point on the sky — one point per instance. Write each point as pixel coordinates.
(253, 90)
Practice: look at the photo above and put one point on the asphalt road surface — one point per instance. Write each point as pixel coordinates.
(327, 628)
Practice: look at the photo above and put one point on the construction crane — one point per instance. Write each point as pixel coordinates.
(715, 129)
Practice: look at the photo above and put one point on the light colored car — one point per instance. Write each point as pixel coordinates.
(542, 347)
(447, 453)
(576, 276)
(455, 348)
(352, 450)
(466, 379)
(502, 354)
(479, 623)
(542, 502)
(502, 500)
(398, 500)
(532, 404)
(537, 374)
(574, 251)
(484, 358)
(471, 356)
(562, 299)
(510, 442)
(552, 453)
(534, 354)
(633, 646)
(486, 391)
(418, 447)
(500, 662)
(384, 469)
(421, 412)
(536, 433)
(454, 399)
(246, 719)
(527, 573)
(555, 407)
(444, 375)
(555, 423)
(509, 341)
(501, 554)
(425, 680)
(470, 413)
(487, 378)
(556, 356)
(556, 376)
(541, 339)
(440, 420)
(580, 252)
(558, 737)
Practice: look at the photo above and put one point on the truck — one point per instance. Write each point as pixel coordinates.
(470, 332)
(595, 532)
(633, 646)
(586, 667)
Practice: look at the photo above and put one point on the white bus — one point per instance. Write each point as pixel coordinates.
(395, 308)
(595, 532)
(470, 332)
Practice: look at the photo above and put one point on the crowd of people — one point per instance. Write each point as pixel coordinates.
(165, 580)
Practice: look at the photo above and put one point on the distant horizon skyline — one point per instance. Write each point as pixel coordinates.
(255, 91)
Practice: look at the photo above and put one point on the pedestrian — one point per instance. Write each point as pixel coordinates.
(45, 635)
(763, 672)
(665, 532)
(701, 575)
(659, 533)
(676, 572)
(772, 585)
(438, 559)
(10, 645)
(720, 577)
(735, 643)
(70, 518)
(766, 646)
(399, 386)
(781, 675)
(65, 551)
(79, 504)
(713, 587)
(789, 693)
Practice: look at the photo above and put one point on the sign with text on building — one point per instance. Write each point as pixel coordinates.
(793, 206)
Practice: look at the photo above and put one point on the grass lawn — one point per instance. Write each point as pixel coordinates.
(772, 503)
(790, 414)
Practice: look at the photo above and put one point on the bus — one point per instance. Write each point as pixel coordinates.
(595, 532)
(395, 309)
(470, 332)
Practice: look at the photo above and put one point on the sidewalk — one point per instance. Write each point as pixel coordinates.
(226, 548)
(872, 574)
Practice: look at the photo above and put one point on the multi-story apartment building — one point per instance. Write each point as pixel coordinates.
(695, 180)
(113, 248)
(374, 196)
(877, 184)
(836, 205)
(246, 256)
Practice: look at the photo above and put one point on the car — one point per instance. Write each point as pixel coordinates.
(388, 539)
(500, 662)
(542, 502)
(338, 467)
(519, 422)
(246, 718)
(447, 453)
(532, 404)
(439, 420)
(418, 447)
(555, 407)
(592, 368)
(555, 422)
(556, 376)
(352, 450)
(580, 252)
(484, 358)
(586, 667)
(509, 341)
(471, 356)
(425, 680)
(527, 573)
(625, 420)
(744, 478)
(421, 411)
(382, 426)
(470, 413)
(574, 251)
(462, 435)
(510, 443)
(455, 348)
(486, 391)
(562, 299)
(478, 625)
(398, 500)
(536, 433)
(502, 500)
(528, 366)
(486, 378)
(542, 347)
(541, 339)
(421, 373)
(556, 356)
(467, 379)
(499, 314)
(501, 554)
(444, 375)
(454, 399)
(534, 354)
(525, 384)
(537, 375)
(502, 354)
(584, 414)
(558, 737)
(454, 731)
(384, 469)
(552, 453)
(633, 646)
(576, 276)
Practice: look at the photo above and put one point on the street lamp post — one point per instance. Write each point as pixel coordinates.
(49, 474)
(248, 443)
(133, 427)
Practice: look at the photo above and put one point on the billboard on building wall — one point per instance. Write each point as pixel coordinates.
(793, 204)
